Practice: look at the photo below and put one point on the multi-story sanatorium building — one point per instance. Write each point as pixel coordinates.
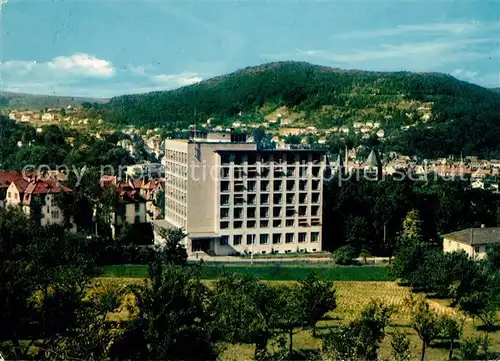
(230, 197)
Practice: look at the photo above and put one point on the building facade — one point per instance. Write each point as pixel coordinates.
(40, 199)
(474, 241)
(232, 198)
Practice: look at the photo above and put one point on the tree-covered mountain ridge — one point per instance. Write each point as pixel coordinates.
(428, 114)
(323, 96)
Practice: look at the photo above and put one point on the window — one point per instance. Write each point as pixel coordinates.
(238, 224)
(137, 208)
(224, 186)
(277, 212)
(277, 223)
(137, 219)
(315, 198)
(314, 211)
(224, 199)
(476, 249)
(250, 238)
(290, 185)
(238, 213)
(303, 185)
(290, 222)
(264, 212)
(251, 212)
(225, 172)
(251, 186)
(289, 238)
(251, 224)
(276, 238)
(277, 199)
(264, 186)
(302, 237)
(224, 225)
(264, 199)
(237, 239)
(303, 198)
(277, 185)
(314, 236)
(224, 240)
(8, 195)
(264, 238)
(224, 213)
(251, 199)
(264, 224)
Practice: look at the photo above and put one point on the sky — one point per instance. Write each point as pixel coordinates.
(103, 48)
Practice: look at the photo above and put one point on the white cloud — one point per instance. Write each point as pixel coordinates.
(177, 80)
(82, 64)
(456, 28)
(77, 65)
(405, 50)
(464, 74)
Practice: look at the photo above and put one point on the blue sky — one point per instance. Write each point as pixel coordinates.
(108, 48)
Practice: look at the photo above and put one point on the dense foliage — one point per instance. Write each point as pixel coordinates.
(55, 146)
(369, 216)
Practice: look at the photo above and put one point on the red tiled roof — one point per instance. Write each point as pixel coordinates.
(10, 176)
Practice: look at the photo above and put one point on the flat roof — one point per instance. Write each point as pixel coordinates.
(271, 150)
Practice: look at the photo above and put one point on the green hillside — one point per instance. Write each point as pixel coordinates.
(33, 101)
(444, 115)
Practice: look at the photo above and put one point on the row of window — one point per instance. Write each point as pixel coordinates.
(274, 157)
(175, 168)
(176, 156)
(176, 181)
(265, 223)
(264, 212)
(181, 221)
(265, 172)
(176, 207)
(275, 238)
(290, 185)
(251, 199)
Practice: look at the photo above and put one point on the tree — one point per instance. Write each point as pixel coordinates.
(292, 316)
(494, 257)
(245, 311)
(425, 322)
(171, 320)
(172, 250)
(411, 232)
(360, 340)
(400, 346)
(316, 298)
(451, 329)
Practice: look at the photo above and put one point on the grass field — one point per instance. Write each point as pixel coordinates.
(269, 272)
(352, 296)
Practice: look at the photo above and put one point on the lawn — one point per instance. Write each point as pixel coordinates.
(270, 272)
(352, 296)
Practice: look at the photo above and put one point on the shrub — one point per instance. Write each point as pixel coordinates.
(344, 255)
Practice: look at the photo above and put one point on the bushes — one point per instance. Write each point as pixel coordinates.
(344, 255)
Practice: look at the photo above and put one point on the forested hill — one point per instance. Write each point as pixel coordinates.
(461, 117)
(34, 101)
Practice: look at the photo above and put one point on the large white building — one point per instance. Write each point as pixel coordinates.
(230, 197)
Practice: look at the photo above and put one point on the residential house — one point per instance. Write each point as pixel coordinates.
(130, 207)
(39, 198)
(474, 241)
(6, 178)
